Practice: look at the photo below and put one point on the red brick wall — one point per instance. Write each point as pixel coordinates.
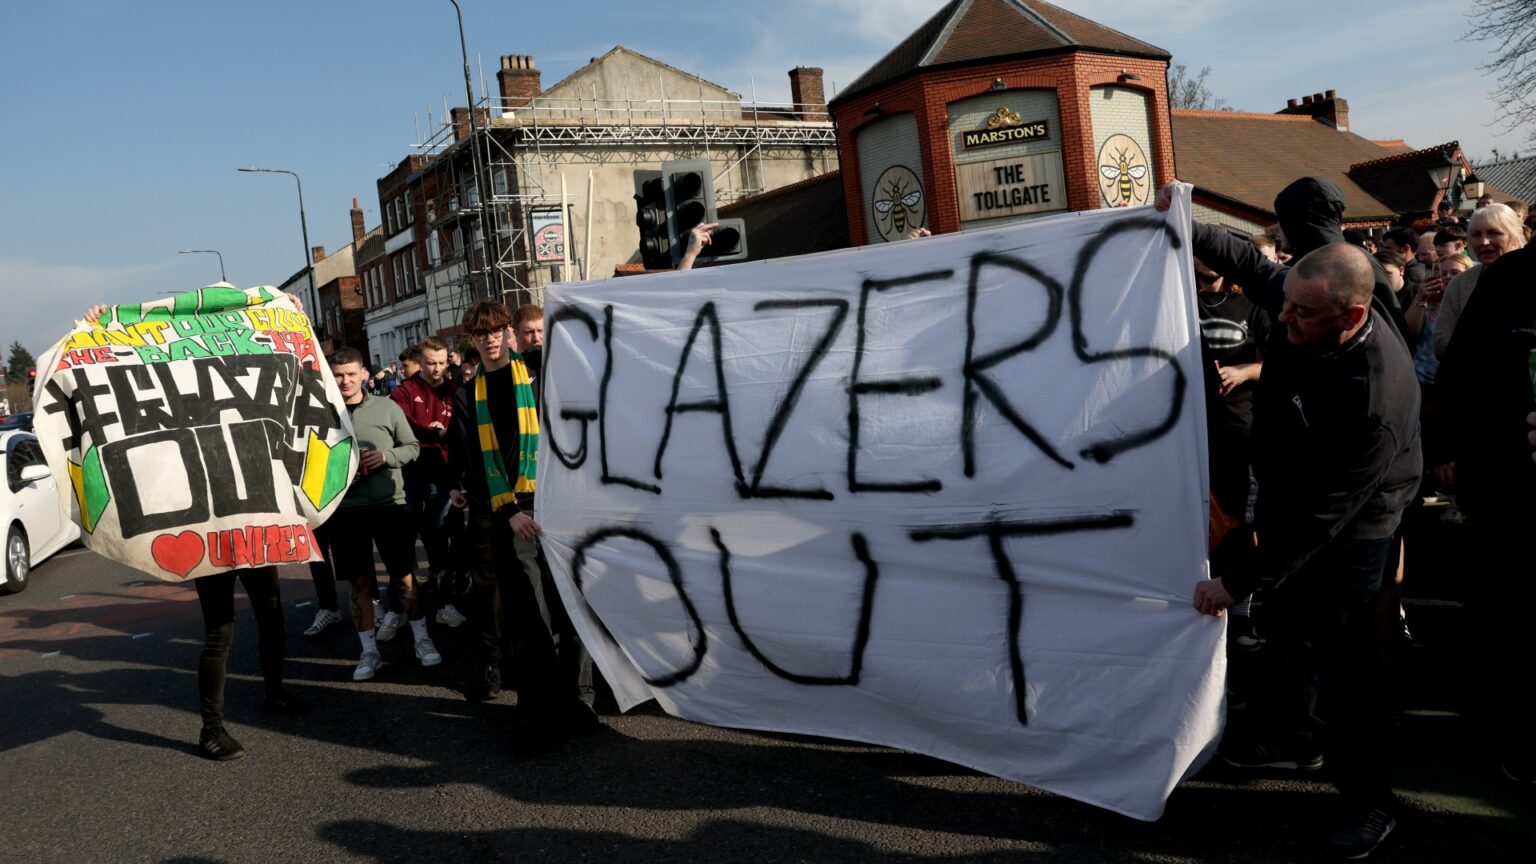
(928, 95)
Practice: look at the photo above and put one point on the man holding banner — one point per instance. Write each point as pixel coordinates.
(1337, 456)
(197, 437)
(493, 452)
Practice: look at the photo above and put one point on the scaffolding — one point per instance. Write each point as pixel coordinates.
(525, 144)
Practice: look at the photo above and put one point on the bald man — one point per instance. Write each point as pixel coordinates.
(1336, 453)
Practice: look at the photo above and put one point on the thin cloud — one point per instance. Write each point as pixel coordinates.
(47, 298)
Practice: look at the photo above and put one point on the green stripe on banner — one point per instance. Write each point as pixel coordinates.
(188, 303)
(216, 299)
(94, 481)
(336, 472)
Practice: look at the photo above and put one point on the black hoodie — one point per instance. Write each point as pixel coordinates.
(1336, 434)
(1311, 213)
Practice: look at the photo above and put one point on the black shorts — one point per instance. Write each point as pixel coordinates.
(355, 533)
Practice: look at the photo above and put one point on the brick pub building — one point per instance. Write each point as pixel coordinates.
(996, 110)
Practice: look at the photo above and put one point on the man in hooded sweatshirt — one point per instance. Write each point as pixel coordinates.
(1311, 213)
(1337, 456)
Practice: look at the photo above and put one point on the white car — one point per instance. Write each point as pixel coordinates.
(31, 521)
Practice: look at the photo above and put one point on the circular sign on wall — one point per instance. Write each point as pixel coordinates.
(1124, 178)
(898, 203)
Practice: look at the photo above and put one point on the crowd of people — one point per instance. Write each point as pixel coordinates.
(1347, 383)
(447, 455)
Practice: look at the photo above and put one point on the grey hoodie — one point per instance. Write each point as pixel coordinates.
(381, 426)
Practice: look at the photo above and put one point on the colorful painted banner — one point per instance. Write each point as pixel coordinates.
(944, 494)
(196, 434)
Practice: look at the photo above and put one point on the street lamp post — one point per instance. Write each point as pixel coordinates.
(222, 277)
(309, 267)
(487, 230)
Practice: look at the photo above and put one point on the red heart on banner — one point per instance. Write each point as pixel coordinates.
(178, 553)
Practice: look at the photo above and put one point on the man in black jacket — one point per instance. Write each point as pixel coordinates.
(1337, 457)
(494, 435)
(1486, 383)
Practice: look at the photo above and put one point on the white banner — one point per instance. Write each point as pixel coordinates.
(196, 434)
(947, 495)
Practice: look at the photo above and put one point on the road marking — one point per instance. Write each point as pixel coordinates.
(1428, 601)
(304, 604)
(69, 596)
(51, 654)
(142, 635)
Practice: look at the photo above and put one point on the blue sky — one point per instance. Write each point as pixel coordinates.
(124, 121)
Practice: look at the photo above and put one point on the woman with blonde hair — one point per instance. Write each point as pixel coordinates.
(1494, 230)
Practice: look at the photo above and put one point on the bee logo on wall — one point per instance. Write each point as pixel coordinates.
(898, 203)
(1124, 178)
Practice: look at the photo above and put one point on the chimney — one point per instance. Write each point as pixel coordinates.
(358, 231)
(1325, 107)
(317, 254)
(519, 81)
(460, 123)
(805, 90)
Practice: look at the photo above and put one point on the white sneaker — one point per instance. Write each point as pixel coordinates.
(426, 652)
(367, 666)
(450, 616)
(323, 619)
(389, 626)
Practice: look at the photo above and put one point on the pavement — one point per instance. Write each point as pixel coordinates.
(98, 725)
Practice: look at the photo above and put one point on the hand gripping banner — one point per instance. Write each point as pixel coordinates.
(947, 495)
(196, 434)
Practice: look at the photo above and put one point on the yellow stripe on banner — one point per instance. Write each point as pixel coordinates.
(487, 438)
(77, 480)
(316, 460)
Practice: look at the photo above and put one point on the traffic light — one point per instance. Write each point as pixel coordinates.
(691, 200)
(31, 374)
(727, 243)
(651, 216)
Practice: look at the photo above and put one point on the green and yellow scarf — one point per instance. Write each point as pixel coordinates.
(503, 493)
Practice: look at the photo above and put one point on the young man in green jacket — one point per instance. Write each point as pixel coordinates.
(373, 514)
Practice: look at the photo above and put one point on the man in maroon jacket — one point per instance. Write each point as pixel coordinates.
(427, 400)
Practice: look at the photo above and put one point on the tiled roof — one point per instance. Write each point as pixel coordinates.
(1402, 181)
(969, 31)
(1249, 158)
(798, 219)
(1515, 177)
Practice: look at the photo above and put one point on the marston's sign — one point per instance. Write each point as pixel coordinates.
(1035, 130)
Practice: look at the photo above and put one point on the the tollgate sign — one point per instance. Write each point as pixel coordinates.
(1010, 186)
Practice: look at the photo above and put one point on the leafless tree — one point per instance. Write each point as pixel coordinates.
(1511, 26)
(1191, 91)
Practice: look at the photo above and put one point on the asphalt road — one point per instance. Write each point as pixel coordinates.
(98, 722)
